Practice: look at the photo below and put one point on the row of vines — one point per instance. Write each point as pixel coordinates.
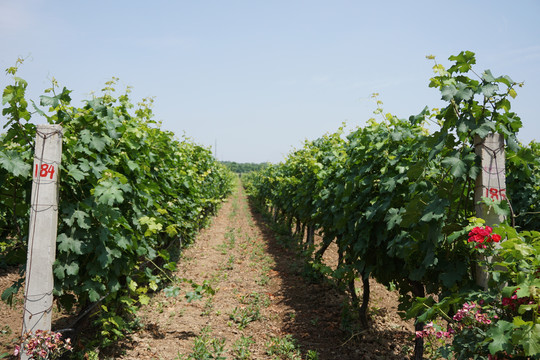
(131, 194)
(399, 203)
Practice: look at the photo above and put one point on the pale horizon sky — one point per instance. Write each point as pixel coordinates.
(257, 77)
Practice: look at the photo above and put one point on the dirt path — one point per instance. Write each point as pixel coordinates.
(262, 303)
(265, 305)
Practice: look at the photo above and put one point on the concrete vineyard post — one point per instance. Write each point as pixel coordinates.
(38, 297)
(490, 183)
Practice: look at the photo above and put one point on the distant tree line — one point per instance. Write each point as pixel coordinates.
(241, 168)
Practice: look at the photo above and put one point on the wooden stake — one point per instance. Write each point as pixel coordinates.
(490, 183)
(43, 229)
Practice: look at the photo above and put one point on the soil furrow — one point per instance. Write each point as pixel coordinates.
(262, 303)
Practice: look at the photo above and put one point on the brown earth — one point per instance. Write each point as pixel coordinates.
(262, 297)
(10, 317)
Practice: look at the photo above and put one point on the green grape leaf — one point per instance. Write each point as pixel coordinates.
(487, 76)
(531, 341)
(483, 130)
(98, 143)
(72, 269)
(13, 163)
(144, 299)
(448, 92)
(75, 172)
(123, 242)
(108, 192)
(489, 89)
(393, 217)
(457, 166)
(51, 101)
(171, 291)
(500, 336)
(68, 244)
(82, 219)
(59, 271)
(434, 210)
(93, 295)
(105, 256)
(463, 92)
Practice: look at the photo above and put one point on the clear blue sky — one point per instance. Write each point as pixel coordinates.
(258, 77)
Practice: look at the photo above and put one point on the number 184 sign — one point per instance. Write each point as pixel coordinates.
(47, 170)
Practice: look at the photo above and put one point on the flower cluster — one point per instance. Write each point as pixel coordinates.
(482, 236)
(43, 344)
(469, 316)
(513, 302)
(431, 329)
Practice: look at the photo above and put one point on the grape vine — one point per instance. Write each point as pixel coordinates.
(398, 200)
(129, 193)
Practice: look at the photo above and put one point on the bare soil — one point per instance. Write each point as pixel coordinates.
(262, 295)
(10, 317)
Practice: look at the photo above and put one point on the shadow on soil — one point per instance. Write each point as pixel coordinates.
(316, 319)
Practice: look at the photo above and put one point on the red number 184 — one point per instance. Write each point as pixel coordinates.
(45, 170)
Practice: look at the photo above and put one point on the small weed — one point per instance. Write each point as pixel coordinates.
(292, 315)
(223, 248)
(258, 250)
(283, 348)
(241, 348)
(286, 347)
(265, 268)
(234, 211)
(267, 259)
(229, 243)
(263, 280)
(243, 316)
(376, 311)
(406, 350)
(205, 347)
(92, 355)
(230, 235)
(217, 277)
(256, 299)
(244, 245)
(186, 258)
(6, 330)
(208, 307)
(230, 262)
(160, 307)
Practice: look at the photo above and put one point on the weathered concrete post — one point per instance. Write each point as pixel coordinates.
(43, 228)
(490, 183)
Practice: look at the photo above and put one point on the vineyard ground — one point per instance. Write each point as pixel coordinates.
(262, 296)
